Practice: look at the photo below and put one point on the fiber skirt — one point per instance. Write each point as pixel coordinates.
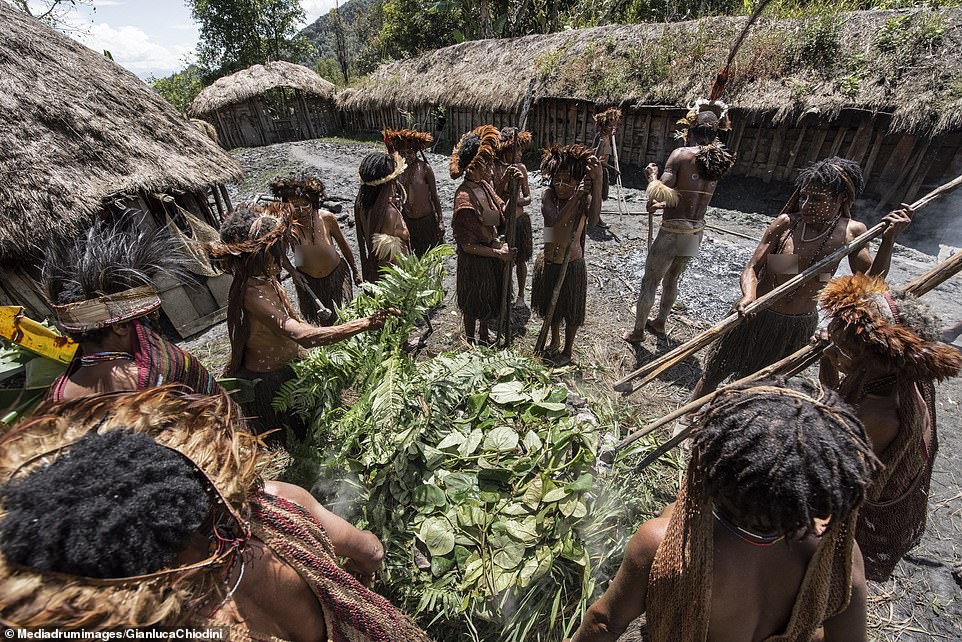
(480, 281)
(523, 236)
(260, 414)
(574, 291)
(424, 233)
(757, 343)
(334, 290)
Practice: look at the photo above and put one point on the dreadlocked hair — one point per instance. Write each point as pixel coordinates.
(374, 166)
(837, 175)
(112, 505)
(513, 138)
(713, 160)
(572, 159)
(786, 451)
(112, 256)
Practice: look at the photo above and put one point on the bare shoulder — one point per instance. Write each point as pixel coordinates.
(290, 492)
(781, 223)
(681, 154)
(855, 228)
(329, 218)
(646, 540)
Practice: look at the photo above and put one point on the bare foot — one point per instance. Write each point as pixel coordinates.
(561, 360)
(552, 347)
(519, 303)
(655, 329)
(634, 336)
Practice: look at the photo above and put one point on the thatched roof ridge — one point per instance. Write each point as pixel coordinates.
(76, 128)
(247, 83)
(671, 64)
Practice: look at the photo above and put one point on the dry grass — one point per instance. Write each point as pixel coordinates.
(76, 129)
(247, 83)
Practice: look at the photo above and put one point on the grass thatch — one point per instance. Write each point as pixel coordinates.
(76, 128)
(244, 85)
(904, 62)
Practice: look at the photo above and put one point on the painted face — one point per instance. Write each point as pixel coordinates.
(409, 154)
(564, 185)
(846, 358)
(818, 205)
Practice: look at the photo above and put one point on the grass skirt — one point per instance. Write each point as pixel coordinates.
(335, 289)
(479, 284)
(261, 416)
(574, 291)
(424, 233)
(757, 343)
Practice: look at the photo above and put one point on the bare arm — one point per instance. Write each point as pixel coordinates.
(361, 547)
(898, 220)
(524, 198)
(670, 176)
(270, 313)
(338, 235)
(849, 625)
(625, 598)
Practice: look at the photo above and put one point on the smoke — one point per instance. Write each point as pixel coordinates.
(935, 227)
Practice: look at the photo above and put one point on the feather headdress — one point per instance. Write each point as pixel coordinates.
(478, 146)
(570, 158)
(397, 140)
(896, 327)
(514, 138)
(606, 123)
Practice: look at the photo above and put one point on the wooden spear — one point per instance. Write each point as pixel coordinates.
(651, 370)
(789, 367)
(504, 322)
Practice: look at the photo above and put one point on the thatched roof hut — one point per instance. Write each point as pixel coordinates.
(83, 137)
(270, 103)
(894, 72)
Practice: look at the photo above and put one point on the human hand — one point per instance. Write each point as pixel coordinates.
(514, 172)
(898, 221)
(364, 577)
(358, 279)
(743, 303)
(654, 206)
(379, 318)
(820, 336)
(505, 253)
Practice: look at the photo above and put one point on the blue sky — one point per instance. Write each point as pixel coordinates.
(150, 37)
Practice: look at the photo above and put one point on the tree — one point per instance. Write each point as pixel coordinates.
(180, 88)
(53, 12)
(235, 34)
(340, 42)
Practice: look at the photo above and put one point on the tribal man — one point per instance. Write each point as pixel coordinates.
(887, 346)
(567, 208)
(266, 334)
(816, 221)
(683, 192)
(760, 543)
(326, 275)
(103, 289)
(422, 207)
(478, 211)
(381, 231)
(173, 526)
(510, 152)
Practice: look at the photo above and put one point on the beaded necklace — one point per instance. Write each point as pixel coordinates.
(97, 358)
(744, 534)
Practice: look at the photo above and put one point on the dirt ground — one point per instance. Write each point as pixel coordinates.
(922, 601)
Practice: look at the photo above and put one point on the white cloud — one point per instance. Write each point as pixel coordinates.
(317, 8)
(133, 49)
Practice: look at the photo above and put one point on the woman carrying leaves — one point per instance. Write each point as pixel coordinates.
(478, 211)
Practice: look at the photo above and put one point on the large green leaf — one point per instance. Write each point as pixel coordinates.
(437, 533)
(501, 439)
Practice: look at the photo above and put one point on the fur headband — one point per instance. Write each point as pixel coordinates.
(398, 139)
(864, 311)
(512, 137)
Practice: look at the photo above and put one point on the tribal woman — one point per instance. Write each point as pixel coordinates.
(422, 207)
(886, 345)
(325, 275)
(133, 511)
(510, 152)
(381, 232)
(760, 543)
(478, 211)
(102, 286)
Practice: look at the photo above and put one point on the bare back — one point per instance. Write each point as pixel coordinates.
(267, 349)
(695, 192)
(315, 253)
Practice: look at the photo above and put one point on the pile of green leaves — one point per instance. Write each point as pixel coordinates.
(472, 470)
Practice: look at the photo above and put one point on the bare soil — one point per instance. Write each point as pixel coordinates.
(923, 600)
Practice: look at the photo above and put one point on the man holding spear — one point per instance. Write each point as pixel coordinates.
(816, 221)
(683, 192)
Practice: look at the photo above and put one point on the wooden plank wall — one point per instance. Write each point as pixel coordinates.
(897, 167)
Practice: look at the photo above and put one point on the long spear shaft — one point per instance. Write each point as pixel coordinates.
(505, 319)
(651, 370)
(789, 366)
